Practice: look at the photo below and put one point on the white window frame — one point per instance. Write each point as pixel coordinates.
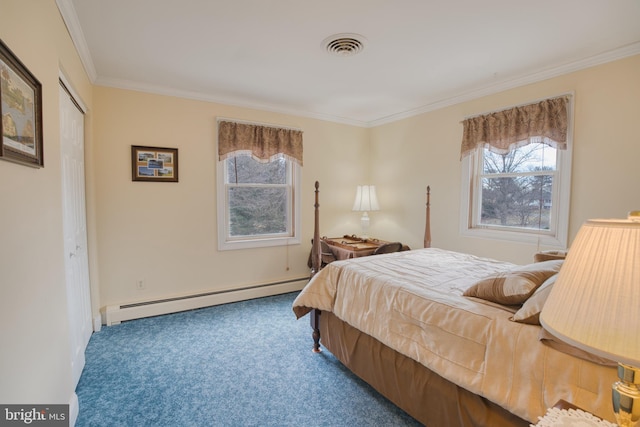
(470, 203)
(226, 242)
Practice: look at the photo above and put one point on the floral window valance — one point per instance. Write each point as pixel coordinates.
(501, 131)
(262, 142)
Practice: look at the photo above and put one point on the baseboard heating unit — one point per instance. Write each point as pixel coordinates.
(114, 314)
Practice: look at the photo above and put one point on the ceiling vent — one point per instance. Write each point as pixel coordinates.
(344, 44)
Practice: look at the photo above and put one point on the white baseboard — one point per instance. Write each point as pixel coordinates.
(114, 314)
(74, 409)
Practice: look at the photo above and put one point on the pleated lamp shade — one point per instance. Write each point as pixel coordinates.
(366, 199)
(595, 302)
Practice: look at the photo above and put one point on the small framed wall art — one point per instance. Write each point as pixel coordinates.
(154, 164)
(21, 111)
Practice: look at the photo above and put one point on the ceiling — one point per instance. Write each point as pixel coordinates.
(418, 55)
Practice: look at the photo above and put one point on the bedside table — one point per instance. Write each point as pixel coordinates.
(565, 414)
(346, 247)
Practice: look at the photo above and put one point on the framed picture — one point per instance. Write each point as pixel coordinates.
(154, 164)
(21, 112)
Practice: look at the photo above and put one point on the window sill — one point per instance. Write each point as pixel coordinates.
(258, 243)
(514, 236)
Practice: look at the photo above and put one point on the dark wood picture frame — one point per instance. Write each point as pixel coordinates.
(21, 112)
(154, 164)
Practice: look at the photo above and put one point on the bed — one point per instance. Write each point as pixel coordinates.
(451, 338)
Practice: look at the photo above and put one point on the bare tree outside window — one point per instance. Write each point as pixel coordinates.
(517, 187)
(516, 174)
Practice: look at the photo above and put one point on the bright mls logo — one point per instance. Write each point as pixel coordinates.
(37, 415)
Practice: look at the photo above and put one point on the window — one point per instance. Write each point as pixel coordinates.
(258, 199)
(520, 193)
(259, 202)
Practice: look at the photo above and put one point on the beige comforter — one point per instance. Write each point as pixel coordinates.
(412, 302)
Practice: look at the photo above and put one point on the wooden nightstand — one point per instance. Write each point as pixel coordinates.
(565, 414)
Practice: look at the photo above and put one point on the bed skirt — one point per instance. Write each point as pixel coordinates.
(423, 394)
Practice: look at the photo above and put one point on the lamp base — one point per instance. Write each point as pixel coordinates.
(364, 224)
(626, 396)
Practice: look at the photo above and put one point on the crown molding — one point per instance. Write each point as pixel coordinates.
(70, 18)
(234, 102)
(610, 56)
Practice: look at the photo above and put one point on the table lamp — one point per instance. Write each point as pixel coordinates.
(595, 304)
(366, 201)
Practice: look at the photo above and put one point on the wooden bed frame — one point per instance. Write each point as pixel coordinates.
(426, 396)
(316, 255)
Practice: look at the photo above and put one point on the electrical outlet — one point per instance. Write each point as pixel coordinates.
(140, 285)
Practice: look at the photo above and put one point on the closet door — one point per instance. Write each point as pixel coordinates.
(75, 230)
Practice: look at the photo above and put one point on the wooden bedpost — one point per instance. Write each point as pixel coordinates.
(316, 251)
(316, 264)
(427, 228)
(315, 325)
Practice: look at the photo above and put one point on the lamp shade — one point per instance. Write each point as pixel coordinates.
(366, 199)
(595, 302)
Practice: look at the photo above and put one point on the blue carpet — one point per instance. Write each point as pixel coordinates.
(243, 364)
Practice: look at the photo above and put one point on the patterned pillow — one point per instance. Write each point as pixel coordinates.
(530, 311)
(514, 286)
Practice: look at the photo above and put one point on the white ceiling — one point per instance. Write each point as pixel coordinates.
(419, 54)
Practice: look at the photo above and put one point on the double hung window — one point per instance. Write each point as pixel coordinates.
(519, 190)
(258, 198)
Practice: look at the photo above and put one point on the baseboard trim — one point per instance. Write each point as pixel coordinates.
(97, 323)
(115, 314)
(74, 409)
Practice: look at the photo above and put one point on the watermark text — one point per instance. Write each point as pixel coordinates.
(36, 415)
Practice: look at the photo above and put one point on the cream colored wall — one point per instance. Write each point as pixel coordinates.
(424, 150)
(34, 354)
(165, 233)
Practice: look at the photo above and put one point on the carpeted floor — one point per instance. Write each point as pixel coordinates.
(242, 364)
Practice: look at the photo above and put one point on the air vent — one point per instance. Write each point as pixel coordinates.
(344, 44)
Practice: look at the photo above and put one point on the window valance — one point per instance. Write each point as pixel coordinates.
(262, 142)
(501, 131)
